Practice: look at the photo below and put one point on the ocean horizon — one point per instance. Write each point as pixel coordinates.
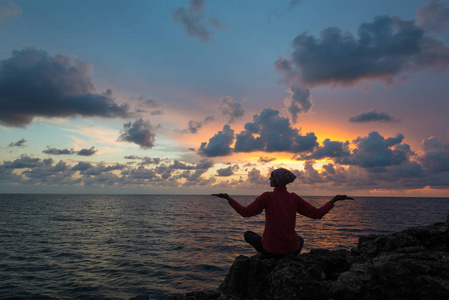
(116, 246)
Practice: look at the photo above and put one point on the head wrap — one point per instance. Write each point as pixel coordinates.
(283, 176)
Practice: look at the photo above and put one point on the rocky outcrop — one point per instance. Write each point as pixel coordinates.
(411, 264)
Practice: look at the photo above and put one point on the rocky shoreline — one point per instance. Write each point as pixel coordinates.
(411, 264)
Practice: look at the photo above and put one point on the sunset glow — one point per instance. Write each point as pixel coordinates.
(200, 96)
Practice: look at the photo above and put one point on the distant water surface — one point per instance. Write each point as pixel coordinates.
(120, 246)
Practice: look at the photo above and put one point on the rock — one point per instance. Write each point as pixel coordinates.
(290, 277)
(411, 264)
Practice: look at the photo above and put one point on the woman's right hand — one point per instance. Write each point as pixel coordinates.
(341, 197)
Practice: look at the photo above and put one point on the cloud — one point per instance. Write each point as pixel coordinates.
(140, 133)
(300, 101)
(33, 83)
(228, 107)
(330, 149)
(194, 20)
(9, 11)
(434, 16)
(226, 172)
(86, 168)
(266, 159)
(272, 133)
(329, 168)
(19, 143)
(82, 152)
(150, 161)
(55, 151)
(372, 116)
(385, 49)
(49, 173)
(195, 126)
(132, 157)
(145, 160)
(82, 166)
(204, 164)
(255, 177)
(23, 162)
(374, 151)
(369, 169)
(87, 152)
(219, 144)
(192, 173)
(147, 104)
(435, 154)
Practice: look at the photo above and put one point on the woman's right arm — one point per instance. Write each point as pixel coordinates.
(255, 208)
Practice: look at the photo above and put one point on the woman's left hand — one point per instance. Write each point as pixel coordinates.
(222, 195)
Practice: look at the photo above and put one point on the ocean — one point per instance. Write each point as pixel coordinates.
(120, 246)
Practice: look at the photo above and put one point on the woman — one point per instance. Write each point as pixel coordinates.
(279, 236)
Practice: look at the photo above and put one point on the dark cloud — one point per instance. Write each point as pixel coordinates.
(33, 83)
(19, 143)
(434, 16)
(330, 149)
(149, 105)
(329, 168)
(55, 151)
(49, 173)
(300, 101)
(374, 151)
(272, 133)
(145, 160)
(23, 162)
(225, 172)
(266, 159)
(141, 173)
(228, 107)
(95, 170)
(385, 50)
(149, 102)
(374, 163)
(150, 161)
(181, 166)
(9, 11)
(435, 154)
(219, 144)
(132, 157)
(82, 166)
(82, 152)
(87, 152)
(140, 133)
(372, 116)
(195, 126)
(255, 177)
(157, 112)
(203, 164)
(194, 20)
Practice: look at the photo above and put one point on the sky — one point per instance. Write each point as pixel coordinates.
(202, 96)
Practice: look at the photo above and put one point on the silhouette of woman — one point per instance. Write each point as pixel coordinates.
(279, 236)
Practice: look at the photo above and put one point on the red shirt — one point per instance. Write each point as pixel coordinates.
(281, 206)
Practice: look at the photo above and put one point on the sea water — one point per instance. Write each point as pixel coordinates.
(120, 246)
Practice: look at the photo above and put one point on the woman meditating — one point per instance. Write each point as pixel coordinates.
(279, 236)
